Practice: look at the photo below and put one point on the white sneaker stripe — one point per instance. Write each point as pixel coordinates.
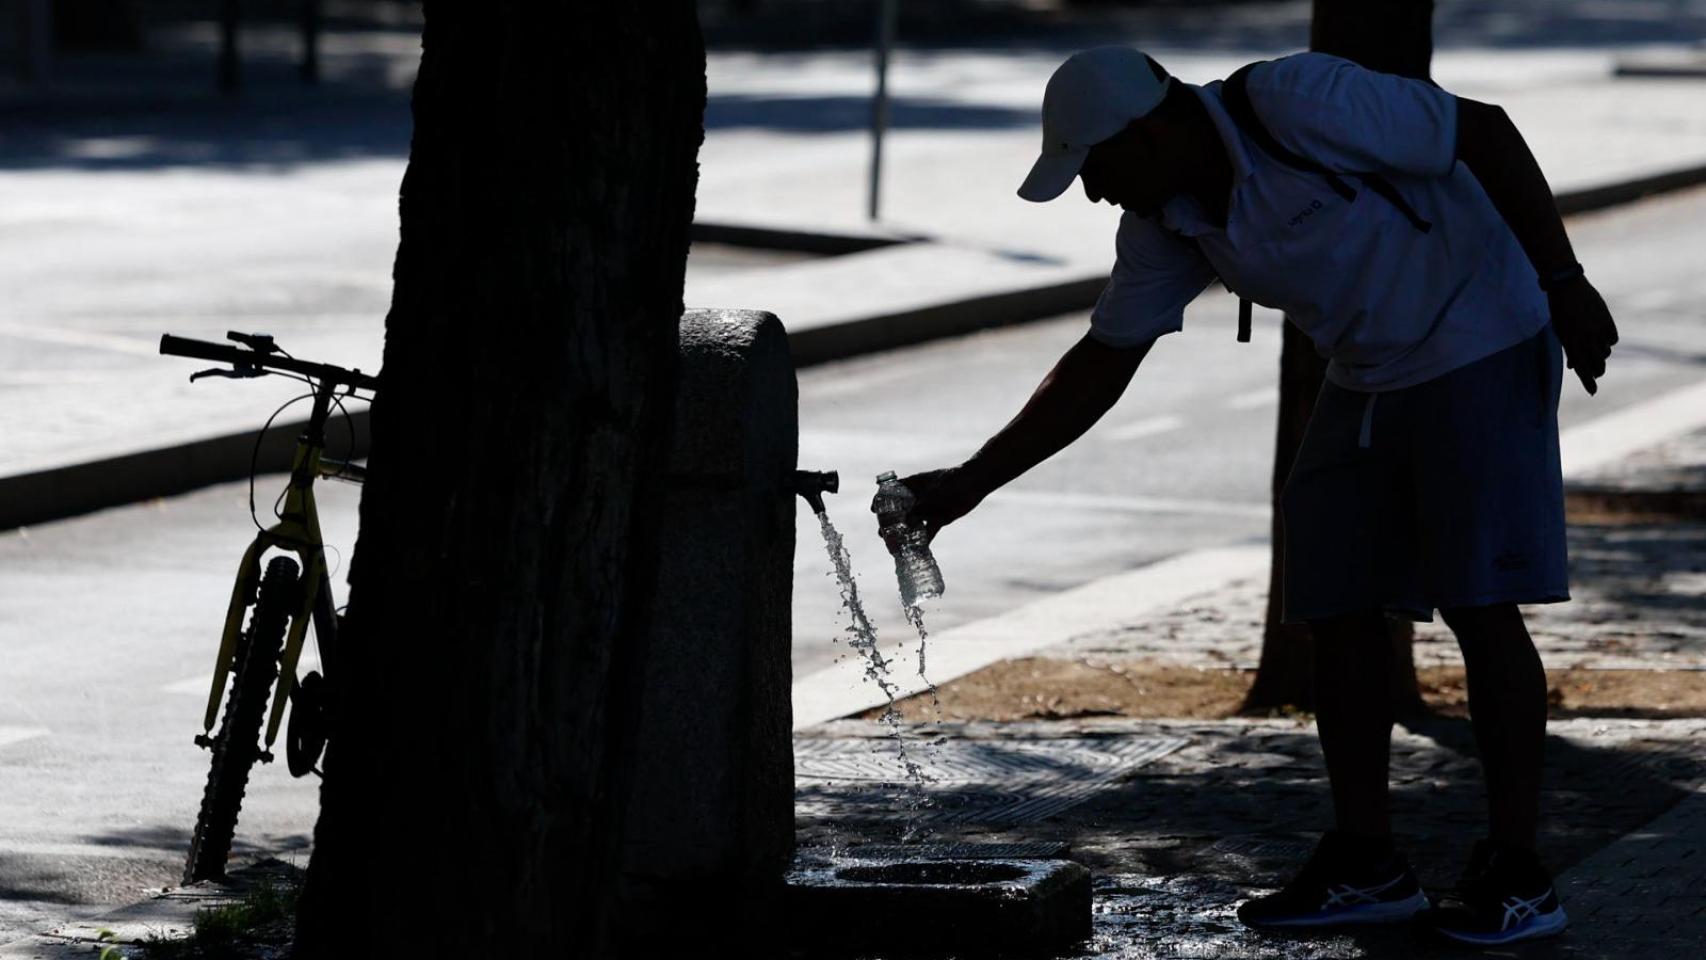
(1346, 895)
(1517, 909)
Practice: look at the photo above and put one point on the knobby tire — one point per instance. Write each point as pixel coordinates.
(238, 744)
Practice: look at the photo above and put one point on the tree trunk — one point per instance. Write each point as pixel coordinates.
(1395, 36)
(489, 671)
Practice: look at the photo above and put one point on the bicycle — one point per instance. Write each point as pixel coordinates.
(281, 602)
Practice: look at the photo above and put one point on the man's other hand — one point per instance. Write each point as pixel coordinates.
(1585, 329)
(943, 497)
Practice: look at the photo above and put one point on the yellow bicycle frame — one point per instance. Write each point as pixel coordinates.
(298, 531)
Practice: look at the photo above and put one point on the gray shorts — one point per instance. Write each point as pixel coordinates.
(1445, 494)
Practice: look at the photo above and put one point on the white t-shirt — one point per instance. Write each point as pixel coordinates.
(1390, 306)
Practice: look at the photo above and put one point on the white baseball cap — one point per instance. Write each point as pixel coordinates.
(1091, 97)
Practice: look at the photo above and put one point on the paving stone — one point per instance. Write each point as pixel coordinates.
(1663, 907)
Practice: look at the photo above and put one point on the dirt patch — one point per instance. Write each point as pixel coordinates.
(1596, 506)
(1653, 694)
(1044, 688)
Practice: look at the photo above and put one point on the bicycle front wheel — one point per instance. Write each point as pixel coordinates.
(238, 743)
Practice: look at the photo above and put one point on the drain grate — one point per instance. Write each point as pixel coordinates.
(970, 781)
(1033, 850)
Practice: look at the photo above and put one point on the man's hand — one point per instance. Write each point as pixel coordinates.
(1584, 327)
(943, 497)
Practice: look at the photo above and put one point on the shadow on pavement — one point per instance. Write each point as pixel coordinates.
(279, 133)
(159, 837)
(834, 114)
(157, 108)
(31, 882)
(1193, 25)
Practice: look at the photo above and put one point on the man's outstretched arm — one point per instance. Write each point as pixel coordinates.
(1490, 145)
(1083, 386)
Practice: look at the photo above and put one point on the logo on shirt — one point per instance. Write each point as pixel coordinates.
(1304, 214)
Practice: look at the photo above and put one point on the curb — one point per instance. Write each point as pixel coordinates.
(76, 489)
(874, 334)
(843, 689)
(79, 488)
(1591, 199)
(795, 241)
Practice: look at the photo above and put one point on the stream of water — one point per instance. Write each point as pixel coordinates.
(862, 637)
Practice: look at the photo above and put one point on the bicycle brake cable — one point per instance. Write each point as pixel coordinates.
(260, 438)
(349, 424)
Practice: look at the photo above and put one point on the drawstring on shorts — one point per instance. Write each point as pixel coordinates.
(1366, 437)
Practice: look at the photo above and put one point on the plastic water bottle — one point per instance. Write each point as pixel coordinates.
(914, 566)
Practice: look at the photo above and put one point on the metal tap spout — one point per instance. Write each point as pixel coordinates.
(813, 484)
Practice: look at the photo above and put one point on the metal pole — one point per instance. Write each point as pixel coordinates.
(310, 67)
(228, 56)
(880, 106)
(35, 40)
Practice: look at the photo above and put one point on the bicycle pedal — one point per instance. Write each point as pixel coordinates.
(204, 741)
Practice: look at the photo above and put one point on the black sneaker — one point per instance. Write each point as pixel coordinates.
(1346, 881)
(1504, 896)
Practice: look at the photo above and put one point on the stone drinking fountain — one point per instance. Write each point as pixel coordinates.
(708, 843)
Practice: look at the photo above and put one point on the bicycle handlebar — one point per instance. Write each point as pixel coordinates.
(238, 357)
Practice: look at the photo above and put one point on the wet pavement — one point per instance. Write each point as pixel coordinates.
(1176, 841)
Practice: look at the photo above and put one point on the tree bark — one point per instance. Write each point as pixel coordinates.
(500, 590)
(1395, 36)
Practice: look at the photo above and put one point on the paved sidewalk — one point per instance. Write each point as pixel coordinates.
(1641, 895)
(1180, 821)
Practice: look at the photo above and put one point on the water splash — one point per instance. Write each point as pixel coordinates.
(915, 616)
(862, 637)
